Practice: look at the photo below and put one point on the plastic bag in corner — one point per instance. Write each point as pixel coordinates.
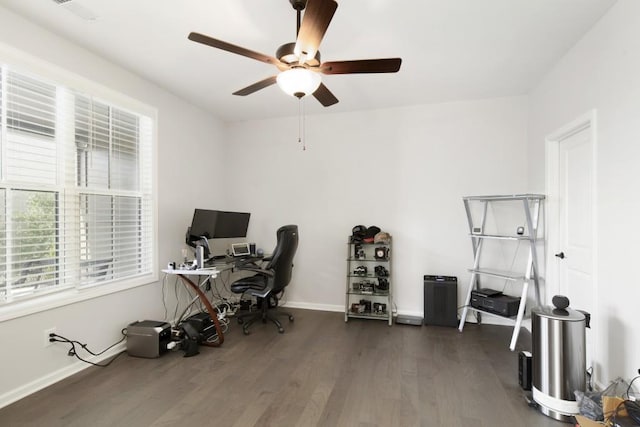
(590, 403)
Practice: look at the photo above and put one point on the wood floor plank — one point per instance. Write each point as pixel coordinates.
(316, 404)
(320, 372)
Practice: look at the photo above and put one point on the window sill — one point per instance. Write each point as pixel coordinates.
(28, 306)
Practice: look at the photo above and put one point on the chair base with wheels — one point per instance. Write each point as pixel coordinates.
(266, 311)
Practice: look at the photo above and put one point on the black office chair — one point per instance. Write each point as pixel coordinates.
(270, 280)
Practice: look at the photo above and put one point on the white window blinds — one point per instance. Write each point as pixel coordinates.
(76, 204)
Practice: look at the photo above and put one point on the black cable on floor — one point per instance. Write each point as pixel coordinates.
(73, 351)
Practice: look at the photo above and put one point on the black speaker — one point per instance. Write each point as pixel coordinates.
(524, 370)
(441, 300)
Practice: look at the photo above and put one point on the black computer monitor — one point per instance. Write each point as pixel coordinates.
(231, 224)
(202, 229)
(214, 224)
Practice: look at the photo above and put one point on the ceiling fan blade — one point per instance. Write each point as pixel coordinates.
(209, 41)
(386, 65)
(325, 96)
(256, 86)
(316, 19)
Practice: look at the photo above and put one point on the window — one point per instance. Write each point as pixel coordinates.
(76, 199)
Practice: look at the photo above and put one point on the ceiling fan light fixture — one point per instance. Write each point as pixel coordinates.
(298, 82)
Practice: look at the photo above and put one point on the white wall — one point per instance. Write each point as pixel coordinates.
(189, 153)
(404, 170)
(602, 72)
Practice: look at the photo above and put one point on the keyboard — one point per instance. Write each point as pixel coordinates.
(246, 258)
(227, 259)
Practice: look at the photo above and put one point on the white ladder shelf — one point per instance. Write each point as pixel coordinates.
(531, 204)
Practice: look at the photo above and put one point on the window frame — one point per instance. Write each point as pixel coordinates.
(28, 65)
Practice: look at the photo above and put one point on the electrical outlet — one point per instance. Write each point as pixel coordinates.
(47, 343)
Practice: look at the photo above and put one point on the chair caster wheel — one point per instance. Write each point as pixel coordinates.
(290, 318)
(281, 330)
(240, 320)
(246, 331)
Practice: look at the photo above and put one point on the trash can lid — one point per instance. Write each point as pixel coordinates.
(566, 315)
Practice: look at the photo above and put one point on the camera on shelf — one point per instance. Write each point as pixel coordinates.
(379, 308)
(360, 270)
(382, 252)
(366, 304)
(383, 284)
(358, 251)
(357, 308)
(365, 287)
(381, 271)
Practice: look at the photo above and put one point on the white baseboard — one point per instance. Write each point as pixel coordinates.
(54, 377)
(338, 308)
(319, 307)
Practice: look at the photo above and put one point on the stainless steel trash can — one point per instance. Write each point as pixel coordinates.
(558, 344)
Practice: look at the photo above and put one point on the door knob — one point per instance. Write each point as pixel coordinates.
(560, 255)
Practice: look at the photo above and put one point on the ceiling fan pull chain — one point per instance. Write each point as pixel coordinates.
(299, 120)
(301, 136)
(304, 127)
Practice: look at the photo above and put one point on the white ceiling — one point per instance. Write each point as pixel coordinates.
(451, 49)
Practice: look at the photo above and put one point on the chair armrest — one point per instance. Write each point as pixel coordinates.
(262, 293)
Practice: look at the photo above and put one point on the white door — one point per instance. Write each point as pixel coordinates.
(572, 252)
(576, 239)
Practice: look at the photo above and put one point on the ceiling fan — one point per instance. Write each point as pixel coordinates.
(299, 63)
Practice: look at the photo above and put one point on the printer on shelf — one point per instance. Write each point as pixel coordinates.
(493, 301)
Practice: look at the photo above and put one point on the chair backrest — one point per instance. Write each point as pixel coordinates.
(282, 257)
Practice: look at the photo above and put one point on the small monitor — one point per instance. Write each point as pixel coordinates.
(240, 249)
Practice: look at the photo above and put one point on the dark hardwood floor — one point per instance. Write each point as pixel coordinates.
(320, 372)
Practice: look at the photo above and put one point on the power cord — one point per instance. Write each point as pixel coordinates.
(631, 383)
(590, 378)
(73, 351)
(632, 408)
(224, 327)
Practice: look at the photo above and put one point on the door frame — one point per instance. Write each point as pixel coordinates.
(552, 182)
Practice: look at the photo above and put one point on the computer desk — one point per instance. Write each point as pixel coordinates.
(185, 276)
(211, 273)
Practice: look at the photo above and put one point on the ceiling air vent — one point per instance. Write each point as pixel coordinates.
(77, 9)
